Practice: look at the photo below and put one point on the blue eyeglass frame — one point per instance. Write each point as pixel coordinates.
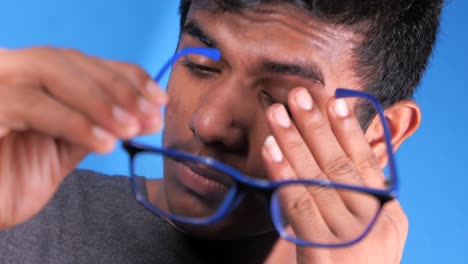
(236, 193)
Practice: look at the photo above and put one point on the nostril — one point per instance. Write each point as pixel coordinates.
(220, 134)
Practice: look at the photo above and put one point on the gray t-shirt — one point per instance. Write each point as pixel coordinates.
(95, 219)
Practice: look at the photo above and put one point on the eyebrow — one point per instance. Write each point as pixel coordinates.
(306, 71)
(194, 29)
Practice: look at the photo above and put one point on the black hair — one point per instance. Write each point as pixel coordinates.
(398, 39)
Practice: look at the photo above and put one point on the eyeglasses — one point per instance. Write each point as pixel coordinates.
(200, 190)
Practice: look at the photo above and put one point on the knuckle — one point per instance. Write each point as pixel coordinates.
(295, 144)
(44, 60)
(315, 123)
(303, 204)
(43, 50)
(339, 166)
(368, 162)
(393, 226)
(22, 107)
(44, 54)
(123, 90)
(320, 176)
(115, 79)
(29, 102)
(325, 194)
(72, 52)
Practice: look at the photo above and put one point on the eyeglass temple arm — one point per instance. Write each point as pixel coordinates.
(211, 53)
(343, 93)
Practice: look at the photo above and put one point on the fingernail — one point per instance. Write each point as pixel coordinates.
(273, 149)
(106, 140)
(154, 123)
(282, 117)
(154, 89)
(303, 99)
(144, 106)
(126, 119)
(102, 135)
(341, 108)
(121, 115)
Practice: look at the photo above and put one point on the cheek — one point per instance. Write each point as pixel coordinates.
(182, 104)
(183, 93)
(257, 135)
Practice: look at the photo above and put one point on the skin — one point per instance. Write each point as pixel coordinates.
(234, 112)
(55, 106)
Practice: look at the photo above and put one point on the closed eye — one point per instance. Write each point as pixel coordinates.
(267, 100)
(199, 70)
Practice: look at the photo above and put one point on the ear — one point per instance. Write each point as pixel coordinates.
(403, 119)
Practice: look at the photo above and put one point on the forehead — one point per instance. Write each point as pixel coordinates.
(281, 31)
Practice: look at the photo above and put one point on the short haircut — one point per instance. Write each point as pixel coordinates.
(398, 39)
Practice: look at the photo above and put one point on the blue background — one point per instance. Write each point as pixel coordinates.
(432, 163)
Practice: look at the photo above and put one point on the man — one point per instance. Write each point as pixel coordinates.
(267, 108)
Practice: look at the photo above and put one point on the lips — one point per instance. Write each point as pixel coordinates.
(203, 181)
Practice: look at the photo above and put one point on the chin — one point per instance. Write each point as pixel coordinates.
(232, 227)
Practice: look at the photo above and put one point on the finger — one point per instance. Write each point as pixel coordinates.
(141, 80)
(300, 208)
(4, 131)
(320, 139)
(149, 88)
(297, 206)
(289, 140)
(336, 204)
(129, 86)
(114, 82)
(328, 200)
(329, 153)
(75, 87)
(71, 155)
(351, 137)
(32, 109)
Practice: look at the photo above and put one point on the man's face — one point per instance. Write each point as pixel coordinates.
(217, 109)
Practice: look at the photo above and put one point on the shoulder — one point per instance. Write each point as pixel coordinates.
(90, 184)
(93, 194)
(90, 179)
(92, 217)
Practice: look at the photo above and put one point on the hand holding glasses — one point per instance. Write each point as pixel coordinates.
(290, 212)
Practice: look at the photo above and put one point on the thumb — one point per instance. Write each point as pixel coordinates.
(71, 156)
(4, 131)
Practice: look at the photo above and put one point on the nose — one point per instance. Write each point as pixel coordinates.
(221, 119)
